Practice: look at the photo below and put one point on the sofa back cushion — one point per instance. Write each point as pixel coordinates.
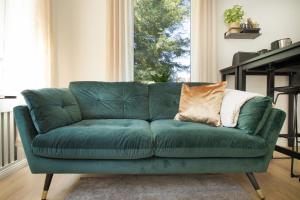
(107, 100)
(164, 99)
(51, 108)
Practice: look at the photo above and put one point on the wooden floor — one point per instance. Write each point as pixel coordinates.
(276, 184)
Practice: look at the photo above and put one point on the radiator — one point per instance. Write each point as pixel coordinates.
(8, 135)
(8, 132)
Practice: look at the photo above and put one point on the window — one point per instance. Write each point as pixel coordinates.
(162, 40)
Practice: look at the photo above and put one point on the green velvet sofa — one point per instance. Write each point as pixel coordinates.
(128, 128)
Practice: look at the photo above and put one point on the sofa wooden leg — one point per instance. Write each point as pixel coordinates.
(254, 183)
(47, 183)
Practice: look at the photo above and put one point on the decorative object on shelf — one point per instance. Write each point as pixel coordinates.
(233, 17)
(238, 28)
(252, 23)
(251, 26)
(281, 43)
(250, 30)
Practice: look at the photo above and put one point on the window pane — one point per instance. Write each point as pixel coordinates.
(162, 40)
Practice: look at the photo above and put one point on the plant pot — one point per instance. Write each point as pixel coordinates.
(234, 27)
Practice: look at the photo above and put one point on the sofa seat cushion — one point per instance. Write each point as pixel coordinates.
(97, 139)
(194, 140)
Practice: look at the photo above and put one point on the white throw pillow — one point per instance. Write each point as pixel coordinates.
(232, 102)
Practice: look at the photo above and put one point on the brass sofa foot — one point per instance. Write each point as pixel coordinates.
(47, 183)
(44, 195)
(254, 183)
(260, 194)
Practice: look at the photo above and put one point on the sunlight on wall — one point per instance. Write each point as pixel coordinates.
(25, 60)
(79, 40)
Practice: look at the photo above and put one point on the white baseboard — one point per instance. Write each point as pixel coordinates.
(12, 168)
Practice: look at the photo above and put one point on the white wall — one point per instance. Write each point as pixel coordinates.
(78, 28)
(277, 19)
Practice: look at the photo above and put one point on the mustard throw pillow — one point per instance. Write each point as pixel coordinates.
(201, 103)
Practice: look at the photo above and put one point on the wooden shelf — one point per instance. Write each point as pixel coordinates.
(228, 35)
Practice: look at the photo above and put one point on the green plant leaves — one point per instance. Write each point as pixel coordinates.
(234, 14)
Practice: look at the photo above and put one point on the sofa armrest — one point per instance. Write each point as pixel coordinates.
(272, 128)
(26, 129)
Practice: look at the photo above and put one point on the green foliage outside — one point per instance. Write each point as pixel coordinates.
(157, 40)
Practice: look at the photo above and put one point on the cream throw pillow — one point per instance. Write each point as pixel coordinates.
(231, 105)
(201, 103)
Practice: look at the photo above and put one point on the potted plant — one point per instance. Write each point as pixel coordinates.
(232, 17)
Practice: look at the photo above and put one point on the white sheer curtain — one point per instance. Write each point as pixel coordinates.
(203, 41)
(27, 52)
(120, 32)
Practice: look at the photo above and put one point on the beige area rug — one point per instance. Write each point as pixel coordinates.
(158, 187)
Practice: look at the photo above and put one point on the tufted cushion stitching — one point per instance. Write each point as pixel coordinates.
(51, 108)
(114, 100)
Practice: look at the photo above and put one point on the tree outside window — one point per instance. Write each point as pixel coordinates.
(162, 40)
